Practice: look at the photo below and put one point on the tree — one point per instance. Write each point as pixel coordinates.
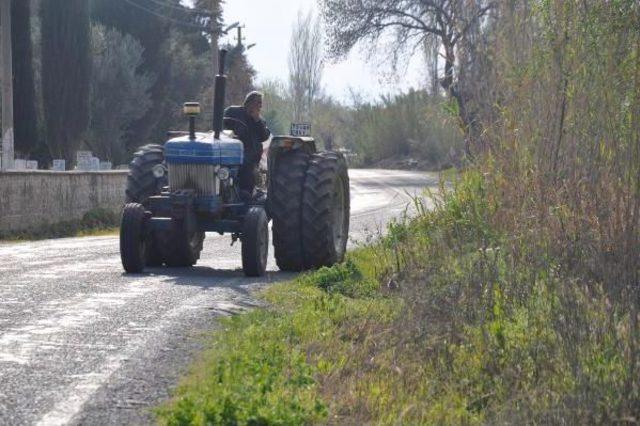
(277, 110)
(119, 93)
(24, 100)
(305, 64)
(66, 74)
(411, 23)
(240, 75)
(158, 25)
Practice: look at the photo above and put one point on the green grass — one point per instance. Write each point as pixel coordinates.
(97, 222)
(446, 320)
(263, 366)
(450, 174)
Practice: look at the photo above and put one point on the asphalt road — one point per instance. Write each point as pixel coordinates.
(82, 343)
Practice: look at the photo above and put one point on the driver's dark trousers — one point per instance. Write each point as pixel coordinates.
(247, 177)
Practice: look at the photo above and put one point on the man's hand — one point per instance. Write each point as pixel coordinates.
(255, 114)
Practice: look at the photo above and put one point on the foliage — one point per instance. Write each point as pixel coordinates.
(240, 75)
(446, 320)
(277, 110)
(409, 125)
(119, 93)
(94, 222)
(410, 24)
(188, 80)
(66, 56)
(173, 42)
(565, 155)
(261, 369)
(240, 79)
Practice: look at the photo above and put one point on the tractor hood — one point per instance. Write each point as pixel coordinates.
(204, 149)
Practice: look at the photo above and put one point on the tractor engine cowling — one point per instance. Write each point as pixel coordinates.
(195, 164)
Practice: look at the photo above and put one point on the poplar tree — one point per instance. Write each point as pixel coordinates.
(66, 74)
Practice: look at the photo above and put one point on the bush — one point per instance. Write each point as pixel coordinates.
(94, 221)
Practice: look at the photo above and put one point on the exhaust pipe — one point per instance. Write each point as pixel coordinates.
(219, 95)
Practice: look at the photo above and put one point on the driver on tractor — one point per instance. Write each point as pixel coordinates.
(247, 123)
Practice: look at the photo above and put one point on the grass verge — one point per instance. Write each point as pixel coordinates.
(446, 320)
(96, 222)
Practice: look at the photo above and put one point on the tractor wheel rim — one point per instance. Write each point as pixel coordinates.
(339, 219)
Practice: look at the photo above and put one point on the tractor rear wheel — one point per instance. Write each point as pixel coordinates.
(325, 210)
(141, 182)
(286, 183)
(255, 242)
(133, 238)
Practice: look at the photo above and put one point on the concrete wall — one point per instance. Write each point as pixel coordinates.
(33, 199)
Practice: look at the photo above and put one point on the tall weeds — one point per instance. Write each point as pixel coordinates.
(562, 120)
(522, 288)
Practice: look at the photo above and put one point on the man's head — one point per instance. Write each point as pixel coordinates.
(253, 104)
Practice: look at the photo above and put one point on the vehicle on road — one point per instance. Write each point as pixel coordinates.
(177, 192)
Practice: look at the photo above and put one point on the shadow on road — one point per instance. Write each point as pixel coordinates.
(206, 277)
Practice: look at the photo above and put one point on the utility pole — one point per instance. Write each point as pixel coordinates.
(240, 38)
(7, 85)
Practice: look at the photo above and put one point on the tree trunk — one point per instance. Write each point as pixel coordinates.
(448, 85)
(24, 100)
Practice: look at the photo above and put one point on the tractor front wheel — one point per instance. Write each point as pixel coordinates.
(181, 249)
(255, 242)
(133, 238)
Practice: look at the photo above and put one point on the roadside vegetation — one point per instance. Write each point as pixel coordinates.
(447, 319)
(96, 222)
(515, 300)
(413, 129)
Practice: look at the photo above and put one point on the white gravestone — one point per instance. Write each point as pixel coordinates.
(84, 160)
(94, 165)
(20, 164)
(59, 165)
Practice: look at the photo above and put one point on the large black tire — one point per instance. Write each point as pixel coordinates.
(255, 242)
(325, 210)
(286, 183)
(141, 183)
(181, 249)
(133, 238)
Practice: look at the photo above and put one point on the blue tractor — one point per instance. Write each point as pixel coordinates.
(178, 192)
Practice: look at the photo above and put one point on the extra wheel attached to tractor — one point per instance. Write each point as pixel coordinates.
(178, 192)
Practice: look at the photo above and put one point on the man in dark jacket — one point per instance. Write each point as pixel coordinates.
(247, 123)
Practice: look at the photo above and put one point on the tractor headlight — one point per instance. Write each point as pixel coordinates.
(224, 173)
(159, 170)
